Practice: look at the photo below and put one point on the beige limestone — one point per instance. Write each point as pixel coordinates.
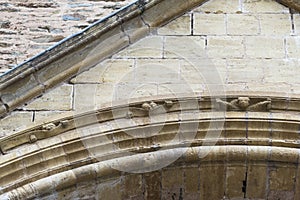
(215, 181)
(110, 71)
(291, 68)
(179, 26)
(225, 47)
(213, 6)
(245, 70)
(263, 6)
(179, 47)
(257, 181)
(204, 71)
(111, 189)
(235, 175)
(282, 178)
(151, 46)
(60, 98)
(281, 27)
(209, 24)
(267, 65)
(265, 47)
(15, 122)
(293, 47)
(157, 71)
(240, 24)
(297, 23)
(90, 96)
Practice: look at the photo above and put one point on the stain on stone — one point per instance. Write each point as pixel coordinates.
(4, 24)
(73, 17)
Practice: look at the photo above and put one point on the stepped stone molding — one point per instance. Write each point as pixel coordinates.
(83, 50)
(82, 147)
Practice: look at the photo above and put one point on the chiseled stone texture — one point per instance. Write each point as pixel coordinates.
(29, 27)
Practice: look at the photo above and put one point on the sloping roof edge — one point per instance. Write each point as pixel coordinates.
(84, 49)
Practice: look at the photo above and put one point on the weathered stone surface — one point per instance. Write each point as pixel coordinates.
(297, 23)
(235, 177)
(59, 99)
(209, 24)
(149, 47)
(246, 64)
(192, 178)
(105, 190)
(133, 186)
(282, 179)
(263, 6)
(214, 176)
(178, 47)
(256, 182)
(29, 22)
(90, 96)
(15, 122)
(17, 92)
(245, 70)
(265, 47)
(179, 26)
(240, 24)
(225, 47)
(153, 185)
(111, 71)
(281, 27)
(172, 181)
(213, 6)
(293, 47)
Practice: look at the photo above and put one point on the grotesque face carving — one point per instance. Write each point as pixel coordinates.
(243, 102)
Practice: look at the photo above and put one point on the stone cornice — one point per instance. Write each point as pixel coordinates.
(72, 144)
(204, 104)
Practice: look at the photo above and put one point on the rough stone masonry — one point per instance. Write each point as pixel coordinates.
(29, 27)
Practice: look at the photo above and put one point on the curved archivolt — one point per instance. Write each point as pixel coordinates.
(157, 136)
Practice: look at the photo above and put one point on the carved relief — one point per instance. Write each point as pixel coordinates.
(244, 104)
(32, 138)
(48, 127)
(149, 106)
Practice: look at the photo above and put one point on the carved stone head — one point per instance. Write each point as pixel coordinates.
(243, 102)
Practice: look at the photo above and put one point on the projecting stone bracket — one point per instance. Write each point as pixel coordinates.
(244, 104)
(35, 134)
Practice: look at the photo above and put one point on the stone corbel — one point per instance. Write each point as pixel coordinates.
(245, 104)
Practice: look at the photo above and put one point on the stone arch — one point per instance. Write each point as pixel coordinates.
(260, 145)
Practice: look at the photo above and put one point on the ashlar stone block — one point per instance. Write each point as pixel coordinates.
(263, 6)
(275, 24)
(59, 98)
(264, 47)
(293, 47)
(240, 24)
(209, 24)
(225, 47)
(180, 26)
(214, 6)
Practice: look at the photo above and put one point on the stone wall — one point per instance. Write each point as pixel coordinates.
(239, 45)
(29, 27)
